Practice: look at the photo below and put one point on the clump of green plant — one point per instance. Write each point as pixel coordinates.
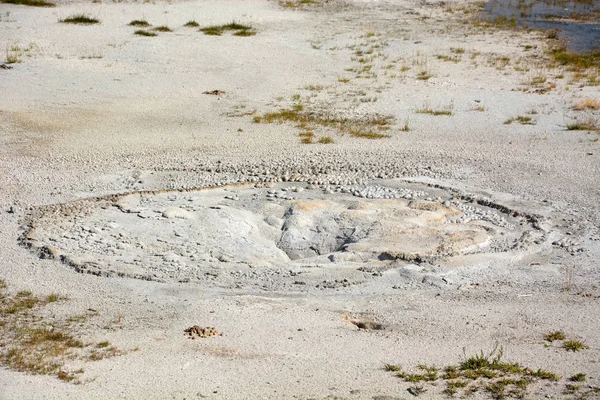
(13, 54)
(447, 111)
(141, 32)
(500, 379)
(142, 23)
(555, 335)
(392, 367)
(237, 28)
(575, 61)
(523, 120)
(423, 75)
(306, 137)
(39, 345)
(299, 3)
(574, 345)
(191, 24)
(587, 125)
(325, 140)
(31, 3)
(368, 128)
(162, 28)
(578, 378)
(80, 19)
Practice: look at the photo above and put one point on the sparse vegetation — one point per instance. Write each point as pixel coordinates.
(191, 24)
(238, 29)
(41, 345)
(392, 367)
(485, 372)
(447, 111)
(80, 19)
(587, 104)
(141, 32)
(31, 3)
(577, 378)
(13, 54)
(523, 120)
(587, 125)
(553, 336)
(574, 345)
(299, 3)
(369, 128)
(326, 140)
(142, 23)
(576, 61)
(162, 28)
(423, 75)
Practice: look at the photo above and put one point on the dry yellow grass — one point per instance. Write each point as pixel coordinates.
(587, 104)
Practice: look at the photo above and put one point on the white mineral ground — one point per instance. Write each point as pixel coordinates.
(376, 230)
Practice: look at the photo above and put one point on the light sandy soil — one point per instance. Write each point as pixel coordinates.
(93, 111)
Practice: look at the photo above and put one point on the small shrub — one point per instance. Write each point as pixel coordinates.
(574, 345)
(589, 125)
(244, 33)
(325, 140)
(212, 30)
(577, 378)
(556, 335)
(239, 29)
(80, 19)
(191, 24)
(392, 367)
(31, 3)
(587, 104)
(423, 76)
(141, 32)
(162, 28)
(142, 23)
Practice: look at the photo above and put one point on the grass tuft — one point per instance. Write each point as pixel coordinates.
(142, 23)
(31, 3)
(367, 128)
(587, 104)
(589, 125)
(80, 19)
(191, 24)
(556, 335)
(392, 367)
(141, 32)
(325, 140)
(34, 343)
(162, 28)
(577, 378)
(237, 28)
(574, 345)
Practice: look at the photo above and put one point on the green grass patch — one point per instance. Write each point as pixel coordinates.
(553, 336)
(237, 29)
(589, 125)
(483, 371)
(30, 3)
(162, 28)
(523, 120)
(191, 24)
(576, 61)
(80, 19)
(141, 32)
(34, 342)
(368, 128)
(574, 345)
(142, 23)
(577, 378)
